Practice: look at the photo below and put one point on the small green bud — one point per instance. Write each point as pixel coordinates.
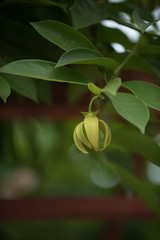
(90, 132)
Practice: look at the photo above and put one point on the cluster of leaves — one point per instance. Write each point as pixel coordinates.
(86, 41)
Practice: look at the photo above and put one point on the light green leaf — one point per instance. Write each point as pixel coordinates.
(85, 56)
(131, 108)
(4, 89)
(22, 85)
(135, 142)
(87, 12)
(112, 86)
(140, 23)
(44, 70)
(62, 35)
(141, 188)
(104, 175)
(147, 92)
(93, 88)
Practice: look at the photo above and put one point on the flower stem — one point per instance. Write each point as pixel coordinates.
(127, 58)
(90, 104)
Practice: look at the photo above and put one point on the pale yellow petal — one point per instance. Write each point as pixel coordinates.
(78, 143)
(79, 132)
(107, 133)
(91, 128)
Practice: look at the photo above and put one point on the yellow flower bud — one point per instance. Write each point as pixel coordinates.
(92, 133)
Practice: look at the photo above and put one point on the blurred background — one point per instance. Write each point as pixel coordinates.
(37, 155)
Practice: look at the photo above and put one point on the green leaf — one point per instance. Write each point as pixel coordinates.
(140, 23)
(104, 175)
(134, 63)
(43, 90)
(44, 70)
(4, 89)
(155, 65)
(93, 88)
(131, 108)
(149, 49)
(22, 85)
(85, 56)
(44, 2)
(112, 86)
(109, 35)
(147, 92)
(87, 12)
(135, 142)
(141, 188)
(62, 35)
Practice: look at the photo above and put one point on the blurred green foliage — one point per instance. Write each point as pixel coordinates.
(42, 153)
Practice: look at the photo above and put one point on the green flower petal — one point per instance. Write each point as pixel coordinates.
(80, 134)
(78, 142)
(91, 128)
(107, 133)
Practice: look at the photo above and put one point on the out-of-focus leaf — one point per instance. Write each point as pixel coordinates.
(73, 95)
(135, 63)
(149, 49)
(110, 35)
(62, 35)
(113, 86)
(136, 142)
(140, 23)
(22, 85)
(44, 2)
(155, 65)
(87, 12)
(4, 89)
(147, 92)
(141, 188)
(85, 56)
(43, 91)
(104, 175)
(131, 108)
(44, 70)
(153, 173)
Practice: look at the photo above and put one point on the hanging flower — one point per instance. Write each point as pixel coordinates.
(92, 133)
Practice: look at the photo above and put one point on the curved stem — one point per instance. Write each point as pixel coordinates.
(90, 104)
(127, 58)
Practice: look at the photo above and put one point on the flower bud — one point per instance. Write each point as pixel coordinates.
(92, 133)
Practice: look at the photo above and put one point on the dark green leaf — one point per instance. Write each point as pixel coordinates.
(147, 92)
(135, 63)
(43, 90)
(62, 35)
(23, 85)
(140, 23)
(141, 188)
(44, 70)
(4, 89)
(112, 86)
(136, 142)
(109, 35)
(131, 108)
(85, 56)
(155, 65)
(43, 2)
(87, 12)
(149, 49)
